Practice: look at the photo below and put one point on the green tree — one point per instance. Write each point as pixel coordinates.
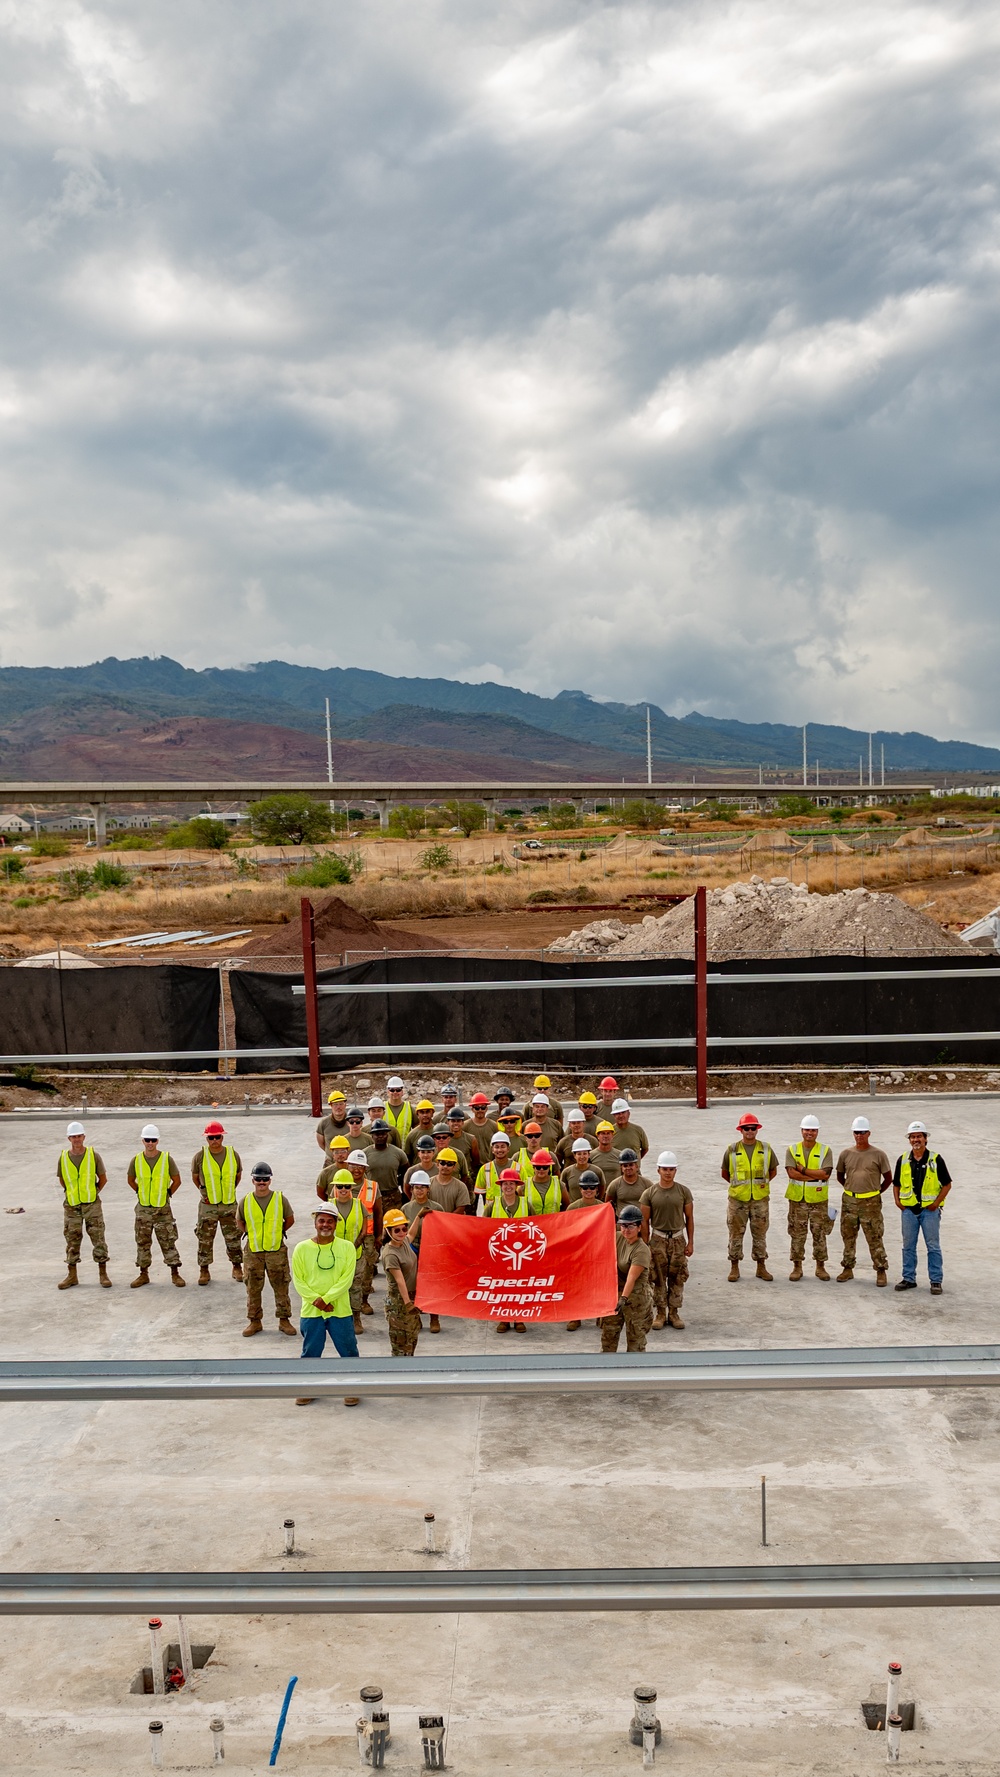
(405, 820)
(201, 834)
(50, 845)
(290, 819)
(641, 812)
(790, 806)
(564, 815)
(470, 816)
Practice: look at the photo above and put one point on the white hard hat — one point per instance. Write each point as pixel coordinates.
(540, 1098)
(150, 1132)
(375, 1103)
(395, 1084)
(667, 1158)
(620, 1104)
(75, 1129)
(501, 1136)
(357, 1157)
(581, 1145)
(809, 1121)
(917, 1128)
(419, 1178)
(861, 1125)
(576, 1115)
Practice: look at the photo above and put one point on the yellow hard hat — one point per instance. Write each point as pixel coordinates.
(587, 1098)
(342, 1177)
(335, 1098)
(543, 1080)
(424, 1105)
(394, 1218)
(448, 1154)
(605, 1125)
(339, 1141)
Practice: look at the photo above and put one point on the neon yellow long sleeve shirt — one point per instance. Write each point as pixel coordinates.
(324, 1272)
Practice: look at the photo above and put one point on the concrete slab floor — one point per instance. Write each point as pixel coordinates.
(564, 1481)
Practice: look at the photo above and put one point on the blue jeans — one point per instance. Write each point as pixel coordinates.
(927, 1221)
(340, 1328)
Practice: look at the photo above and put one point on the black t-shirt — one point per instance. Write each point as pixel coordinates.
(917, 1170)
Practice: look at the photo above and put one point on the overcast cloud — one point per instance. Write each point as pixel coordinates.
(647, 349)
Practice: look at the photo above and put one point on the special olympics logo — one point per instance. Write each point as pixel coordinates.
(517, 1244)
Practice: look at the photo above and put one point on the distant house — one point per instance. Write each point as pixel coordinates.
(15, 823)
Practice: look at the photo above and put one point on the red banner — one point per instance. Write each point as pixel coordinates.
(556, 1267)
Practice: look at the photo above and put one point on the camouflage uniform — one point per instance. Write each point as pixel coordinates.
(78, 1216)
(808, 1218)
(210, 1217)
(274, 1265)
(738, 1214)
(367, 1264)
(668, 1272)
(636, 1314)
(150, 1220)
(404, 1325)
(866, 1213)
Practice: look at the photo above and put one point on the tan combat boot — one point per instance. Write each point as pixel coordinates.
(734, 1271)
(359, 1325)
(821, 1272)
(352, 1400)
(660, 1321)
(285, 1326)
(674, 1320)
(237, 1273)
(137, 1282)
(176, 1278)
(366, 1307)
(795, 1274)
(252, 1327)
(881, 1278)
(103, 1278)
(204, 1275)
(435, 1324)
(846, 1276)
(573, 1326)
(763, 1273)
(70, 1279)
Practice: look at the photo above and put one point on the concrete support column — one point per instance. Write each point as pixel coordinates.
(100, 814)
(383, 804)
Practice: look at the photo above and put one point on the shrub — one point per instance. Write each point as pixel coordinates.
(133, 841)
(12, 866)
(726, 811)
(76, 883)
(110, 876)
(837, 814)
(470, 816)
(581, 893)
(290, 819)
(49, 845)
(436, 857)
(789, 806)
(322, 873)
(643, 813)
(406, 820)
(563, 815)
(201, 834)
(538, 895)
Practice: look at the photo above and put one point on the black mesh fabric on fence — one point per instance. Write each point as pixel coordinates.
(83, 1011)
(268, 1015)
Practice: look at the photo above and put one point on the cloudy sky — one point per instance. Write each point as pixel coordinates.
(648, 349)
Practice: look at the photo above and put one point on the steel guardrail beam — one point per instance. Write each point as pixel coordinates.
(686, 1372)
(871, 1586)
(515, 985)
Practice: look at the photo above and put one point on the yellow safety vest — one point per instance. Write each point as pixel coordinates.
(500, 1212)
(401, 1119)
(219, 1181)
(265, 1227)
(153, 1181)
(350, 1227)
(928, 1190)
(79, 1178)
(488, 1178)
(748, 1172)
(544, 1203)
(813, 1190)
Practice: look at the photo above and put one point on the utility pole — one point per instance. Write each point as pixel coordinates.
(883, 765)
(649, 749)
(871, 779)
(329, 751)
(805, 761)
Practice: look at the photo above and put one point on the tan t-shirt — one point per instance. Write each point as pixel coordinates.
(619, 1192)
(410, 1144)
(861, 1170)
(384, 1166)
(636, 1254)
(571, 1179)
(632, 1136)
(564, 1148)
(578, 1203)
(608, 1165)
(404, 1259)
(328, 1127)
(451, 1195)
(666, 1207)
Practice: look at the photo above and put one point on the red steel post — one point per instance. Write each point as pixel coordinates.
(312, 1005)
(701, 997)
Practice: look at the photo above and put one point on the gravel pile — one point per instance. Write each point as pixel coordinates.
(776, 918)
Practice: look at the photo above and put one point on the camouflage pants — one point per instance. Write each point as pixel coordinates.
(275, 1265)
(804, 1219)
(76, 1217)
(669, 1270)
(404, 1325)
(210, 1217)
(367, 1264)
(636, 1317)
(758, 1213)
(357, 1287)
(864, 1213)
(392, 1197)
(161, 1222)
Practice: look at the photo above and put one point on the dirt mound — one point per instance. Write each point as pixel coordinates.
(773, 918)
(339, 927)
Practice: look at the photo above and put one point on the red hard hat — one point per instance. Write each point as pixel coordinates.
(542, 1157)
(748, 1121)
(608, 1084)
(512, 1177)
(214, 1129)
(479, 1098)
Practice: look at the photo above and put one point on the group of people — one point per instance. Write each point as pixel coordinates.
(389, 1165)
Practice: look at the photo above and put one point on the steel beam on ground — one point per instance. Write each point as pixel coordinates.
(516, 985)
(871, 1586)
(689, 1372)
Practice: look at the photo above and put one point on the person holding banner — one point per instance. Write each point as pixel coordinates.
(510, 1204)
(399, 1262)
(590, 1186)
(573, 1173)
(545, 1192)
(634, 1308)
(488, 1177)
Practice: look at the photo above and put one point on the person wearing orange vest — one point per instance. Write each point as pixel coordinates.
(81, 1174)
(264, 1218)
(366, 1190)
(154, 1177)
(216, 1170)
